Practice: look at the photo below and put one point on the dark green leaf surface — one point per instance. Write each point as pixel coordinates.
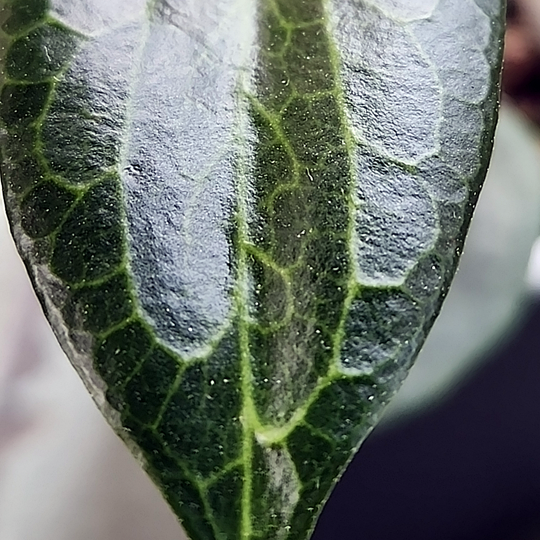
(241, 218)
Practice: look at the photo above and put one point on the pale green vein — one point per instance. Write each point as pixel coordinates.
(248, 414)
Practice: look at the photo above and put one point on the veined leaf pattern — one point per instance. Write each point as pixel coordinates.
(241, 218)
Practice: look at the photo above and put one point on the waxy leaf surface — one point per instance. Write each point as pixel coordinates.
(241, 218)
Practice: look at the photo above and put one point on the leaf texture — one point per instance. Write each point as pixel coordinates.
(241, 218)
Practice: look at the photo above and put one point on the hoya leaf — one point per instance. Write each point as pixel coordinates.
(241, 218)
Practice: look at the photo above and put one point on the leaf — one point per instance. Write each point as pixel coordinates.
(488, 299)
(241, 218)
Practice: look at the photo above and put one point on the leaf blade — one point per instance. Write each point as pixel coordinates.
(261, 237)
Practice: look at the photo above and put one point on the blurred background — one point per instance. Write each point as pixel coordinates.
(457, 456)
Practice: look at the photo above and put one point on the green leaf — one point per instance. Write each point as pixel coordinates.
(489, 297)
(241, 218)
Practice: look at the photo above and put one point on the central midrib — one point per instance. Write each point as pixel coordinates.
(253, 427)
